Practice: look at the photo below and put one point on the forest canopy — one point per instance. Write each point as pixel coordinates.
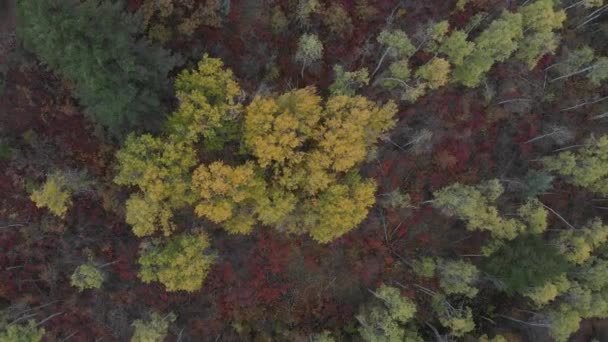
(303, 170)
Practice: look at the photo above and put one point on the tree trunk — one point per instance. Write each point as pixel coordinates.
(573, 73)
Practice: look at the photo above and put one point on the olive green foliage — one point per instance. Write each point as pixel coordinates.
(119, 78)
(545, 293)
(599, 73)
(458, 319)
(397, 42)
(585, 298)
(592, 3)
(87, 276)
(566, 278)
(28, 332)
(435, 73)
(347, 82)
(153, 329)
(6, 149)
(208, 105)
(586, 167)
(384, 319)
(563, 322)
(582, 61)
(56, 192)
(54, 195)
(180, 264)
(572, 60)
(475, 206)
(539, 21)
(495, 44)
(337, 20)
(458, 277)
(146, 216)
(157, 166)
(497, 338)
(425, 267)
(456, 47)
(165, 19)
(534, 214)
(228, 194)
(278, 20)
(526, 262)
(305, 9)
(161, 166)
(578, 245)
(160, 169)
(397, 46)
(324, 336)
(340, 208)
(310, 49)
(396, 199)
(399, 307)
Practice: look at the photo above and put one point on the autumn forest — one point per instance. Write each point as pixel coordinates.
(304, 170)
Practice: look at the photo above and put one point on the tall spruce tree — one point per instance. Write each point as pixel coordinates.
(120, 78)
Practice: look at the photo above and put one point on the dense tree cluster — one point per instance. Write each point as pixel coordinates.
(475, 205)
(586, 167)
(300, 179)
(119, 78)
(57, 191)
(28, 332)
(87, 276)
(528, 34)
(386, 318)
(179, 264)
(153, 329)
(483, 213)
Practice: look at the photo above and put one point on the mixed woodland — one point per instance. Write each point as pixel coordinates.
(303, 170)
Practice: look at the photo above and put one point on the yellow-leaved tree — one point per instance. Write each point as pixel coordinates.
(301, 175)
(296, 170)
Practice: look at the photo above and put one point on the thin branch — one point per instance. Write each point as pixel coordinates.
(388, 49)
(436, 332)
(543, 136)
(558, 215)
(22, 318)
(107, 264)
(594, 15)
(586, 102)
(568, 147)
(402, 259)
(38, 307)
(515, 100)
(544, 325)
(397, 145)
(50, 317)
(425, 290)
(402, 82)
(600, 116)
(14, 267)
(12, 226)
(574, 73)
(69, 336)
(488, 319)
